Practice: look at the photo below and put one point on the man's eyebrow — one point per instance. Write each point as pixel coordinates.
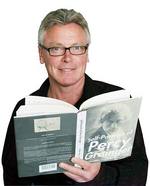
(78, 44)
(55, 44)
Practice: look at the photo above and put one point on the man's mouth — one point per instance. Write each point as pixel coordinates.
(67, 69)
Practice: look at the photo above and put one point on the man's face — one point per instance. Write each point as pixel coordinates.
(109, 126)
(68, 69)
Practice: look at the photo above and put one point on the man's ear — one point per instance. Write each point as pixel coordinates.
(41, 55)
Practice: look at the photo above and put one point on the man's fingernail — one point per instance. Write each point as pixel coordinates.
(73, 159)
(60, 164)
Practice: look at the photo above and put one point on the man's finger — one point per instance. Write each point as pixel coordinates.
(74, 170)
(82, 163)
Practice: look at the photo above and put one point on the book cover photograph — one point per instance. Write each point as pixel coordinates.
(49, 131)
(111, 135)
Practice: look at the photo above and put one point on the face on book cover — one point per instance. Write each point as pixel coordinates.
(67, 69)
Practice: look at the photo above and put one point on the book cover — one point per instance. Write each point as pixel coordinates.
(109, 130)
(44, 141)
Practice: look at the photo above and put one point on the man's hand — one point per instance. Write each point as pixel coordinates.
(87, 172)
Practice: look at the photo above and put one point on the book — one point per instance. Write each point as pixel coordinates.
(49, 131)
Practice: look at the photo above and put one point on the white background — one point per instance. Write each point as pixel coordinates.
(119, 53)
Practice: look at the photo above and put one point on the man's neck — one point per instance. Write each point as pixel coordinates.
(70, 94)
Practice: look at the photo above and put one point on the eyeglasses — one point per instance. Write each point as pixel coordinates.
(60, 51)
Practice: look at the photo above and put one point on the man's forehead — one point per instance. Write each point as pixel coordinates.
(70, 34)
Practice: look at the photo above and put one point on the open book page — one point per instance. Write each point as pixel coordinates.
(103, 98)
(39, 100)
(28, 110)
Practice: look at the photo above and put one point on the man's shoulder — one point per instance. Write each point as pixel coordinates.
(19, 103)
(101, 86)
(106, 86)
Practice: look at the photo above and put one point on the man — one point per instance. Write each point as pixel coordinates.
(63, 40)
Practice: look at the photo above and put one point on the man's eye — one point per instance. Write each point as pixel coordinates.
(55, 49)
(76, 47)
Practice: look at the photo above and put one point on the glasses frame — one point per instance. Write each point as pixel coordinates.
(65, 48)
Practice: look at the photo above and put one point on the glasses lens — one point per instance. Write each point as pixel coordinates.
(56, 51)
(77, 50)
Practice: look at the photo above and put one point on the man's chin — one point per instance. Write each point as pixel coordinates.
(66, 82)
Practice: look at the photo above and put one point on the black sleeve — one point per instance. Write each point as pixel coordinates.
(9, 161)
(131, 171)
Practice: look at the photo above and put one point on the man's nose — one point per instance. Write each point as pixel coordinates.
(67, 56)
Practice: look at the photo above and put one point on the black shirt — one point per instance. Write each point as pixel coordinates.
(131, 171)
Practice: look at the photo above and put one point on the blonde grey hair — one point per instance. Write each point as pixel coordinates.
(62, 16)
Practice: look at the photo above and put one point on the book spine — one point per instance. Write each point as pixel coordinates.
(80, 134)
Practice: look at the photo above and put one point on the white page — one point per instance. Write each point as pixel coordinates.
(106, 97)
(39, 100)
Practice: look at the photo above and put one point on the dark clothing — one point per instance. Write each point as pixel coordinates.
(130, 171)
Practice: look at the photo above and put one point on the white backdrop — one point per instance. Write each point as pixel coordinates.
(119, 52)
